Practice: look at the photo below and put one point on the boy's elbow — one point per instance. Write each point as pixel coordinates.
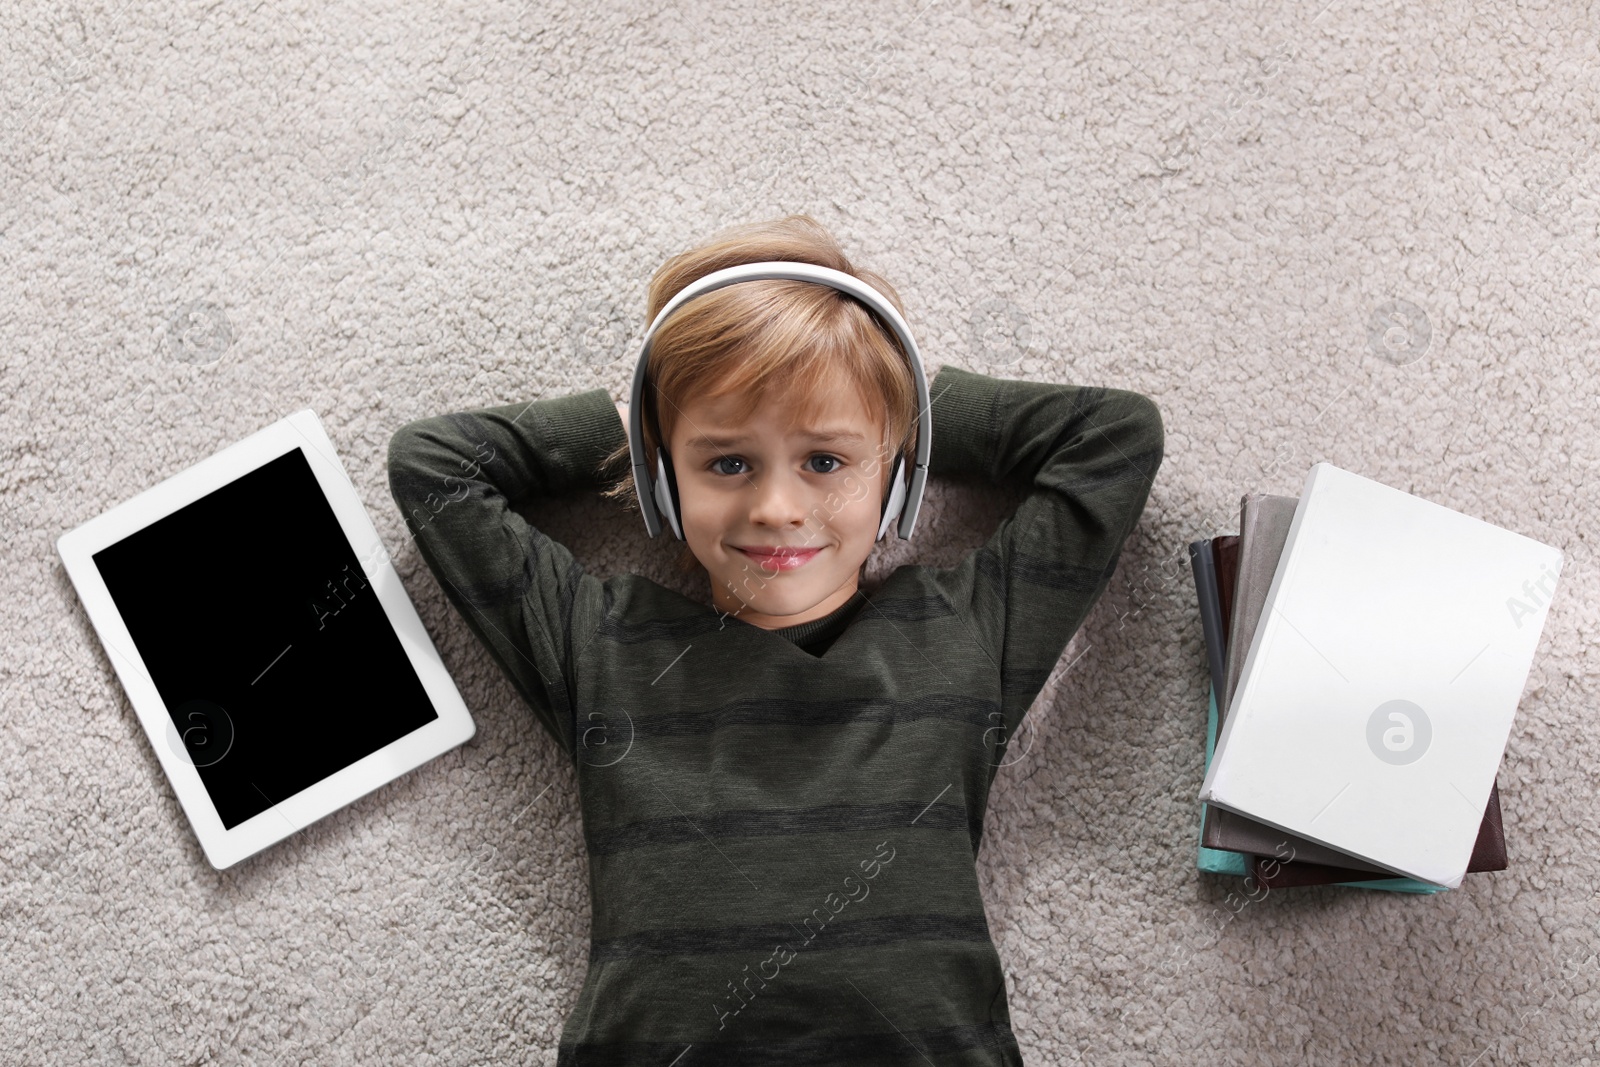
(1157, 426)
(1144, 431)
(398, 445)
(1145, 412)
(406, 457)
(405, 445)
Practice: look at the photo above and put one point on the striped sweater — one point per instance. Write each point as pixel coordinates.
(783, 825)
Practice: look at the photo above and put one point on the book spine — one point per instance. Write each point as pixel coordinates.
(1204, 566)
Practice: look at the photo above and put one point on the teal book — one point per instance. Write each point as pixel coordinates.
(1216, 860)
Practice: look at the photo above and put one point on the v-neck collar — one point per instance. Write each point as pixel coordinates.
(823, 631)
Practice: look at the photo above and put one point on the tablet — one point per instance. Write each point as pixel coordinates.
(263, 637)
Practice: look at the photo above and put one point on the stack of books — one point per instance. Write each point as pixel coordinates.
(1367, 650)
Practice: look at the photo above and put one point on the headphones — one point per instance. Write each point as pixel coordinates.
(659, 495)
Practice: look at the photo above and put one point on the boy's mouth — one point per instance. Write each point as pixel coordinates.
(784, 559)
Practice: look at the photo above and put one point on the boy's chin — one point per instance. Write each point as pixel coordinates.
(787, 596)
(776, 607)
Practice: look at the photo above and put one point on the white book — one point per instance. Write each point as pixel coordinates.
(1378, 694)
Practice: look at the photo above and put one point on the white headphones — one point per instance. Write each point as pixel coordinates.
(659, 495)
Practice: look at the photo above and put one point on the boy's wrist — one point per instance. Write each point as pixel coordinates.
(577, 431)
(963, 405)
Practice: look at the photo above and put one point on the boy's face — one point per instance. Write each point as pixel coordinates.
(765, 484)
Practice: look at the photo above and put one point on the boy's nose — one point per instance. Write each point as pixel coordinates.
(780, 501)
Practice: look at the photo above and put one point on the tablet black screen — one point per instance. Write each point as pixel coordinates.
(264, 637)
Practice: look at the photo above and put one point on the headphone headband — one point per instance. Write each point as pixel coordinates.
(907, 494)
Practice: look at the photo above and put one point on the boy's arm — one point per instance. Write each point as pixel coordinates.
(456, 479)
(1088, 456)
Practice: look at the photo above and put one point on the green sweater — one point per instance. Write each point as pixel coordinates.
(783, 825)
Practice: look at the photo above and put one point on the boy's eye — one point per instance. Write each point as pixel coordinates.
(715, 465)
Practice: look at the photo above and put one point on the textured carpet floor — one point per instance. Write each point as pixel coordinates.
(1354, 233)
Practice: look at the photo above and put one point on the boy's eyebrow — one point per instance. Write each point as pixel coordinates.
(728, 441)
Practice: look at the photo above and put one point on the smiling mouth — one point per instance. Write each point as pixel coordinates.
(782, 559)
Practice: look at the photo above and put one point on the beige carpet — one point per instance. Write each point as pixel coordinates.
(1363, 233)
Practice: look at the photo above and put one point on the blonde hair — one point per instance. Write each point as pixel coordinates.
(795, 339)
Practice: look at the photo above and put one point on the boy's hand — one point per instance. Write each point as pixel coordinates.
(622, 413)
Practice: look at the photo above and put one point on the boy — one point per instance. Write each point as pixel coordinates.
(783, 794)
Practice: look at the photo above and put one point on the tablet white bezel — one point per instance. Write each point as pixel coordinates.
(303, 430)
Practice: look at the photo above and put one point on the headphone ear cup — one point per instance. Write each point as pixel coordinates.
(666, 493)
(897, 496)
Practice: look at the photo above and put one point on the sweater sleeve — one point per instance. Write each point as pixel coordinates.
(457, 478)
(1088, 456)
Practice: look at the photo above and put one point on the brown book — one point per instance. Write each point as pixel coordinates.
(1225, 561)
(1264, 522)
(1488, 854)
